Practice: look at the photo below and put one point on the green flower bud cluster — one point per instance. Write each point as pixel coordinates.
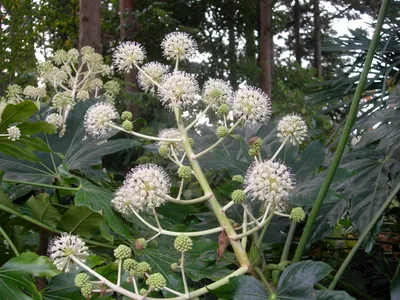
(126, 115)
(122, 252)
(222, 132)
(141, 243)
(185, 172)
(81, 279)
(174, 266)
(127, 125)
(238, 178)
(297, 214)
(183, 243)
(129, 264)
(163, 151)
(255, 144)
(141, 269)
(223, 110)
(86, 290)
(238, 196)
(156, 282)
(62, 100)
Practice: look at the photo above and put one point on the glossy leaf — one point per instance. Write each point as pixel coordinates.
(43, 210)
(242, 288)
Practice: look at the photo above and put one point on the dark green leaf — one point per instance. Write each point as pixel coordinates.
(13, 113)
(242, 288)
(43, 210)
(36, 127)
(395, 285)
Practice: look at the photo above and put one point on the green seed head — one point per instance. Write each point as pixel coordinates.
(127, 125)
(238, 178)
(238, 196)
(86, 290)
(81, 279)
(163, 151)
(185, 172)
(142, 268)
(141, 244)
(255, 143)
(223, 110)
(156, 282)
(122, 252)
(126, 115)
(183, 243)
(143, 292)
(222, 132)
(129, 264)
(174, 266)
(297, 214)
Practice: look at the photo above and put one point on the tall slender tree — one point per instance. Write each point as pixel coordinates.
(266, 46)
(298, 51)
(317, 39)
(89, 24)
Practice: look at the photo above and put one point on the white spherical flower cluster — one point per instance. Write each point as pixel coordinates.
(144, 187)
(217, 92)
(61, 248)
(127, 55)
(178, 88)
(269, 182)
(178, 45)
(82, 95)
(292, 127)
(96, 119)
(155, 71)
(13, 133)
(55, 119)
(252, 104)
(34, 92)
(170, 133)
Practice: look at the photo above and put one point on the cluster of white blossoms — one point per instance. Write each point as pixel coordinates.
(252, 104)
(143, 188)
(178, 46)
(62, 248)
(13, 133)
(269, 182)
(155, 71)
(127, 55)
(179, 89)
(170, 133)
(97, 118)
(55, 119)
(217, 92)
(293, 128)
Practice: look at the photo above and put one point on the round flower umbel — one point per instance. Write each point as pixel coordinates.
(269, 182)
(127, 55)
(217, 92)
(61, 248)
(13, 133)
(178, 89)
(170, 133)
(55, 119)
(178, 45)
(155, 71)
(252, 104)
(96, 119)
(143, 188)
(156, 282)
(293, 128)
(183, 243)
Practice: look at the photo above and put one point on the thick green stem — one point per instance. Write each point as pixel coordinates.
(363, 235)
(345, 135)
(9, 241)
(288, 241)
(240, 253)
(64, 188)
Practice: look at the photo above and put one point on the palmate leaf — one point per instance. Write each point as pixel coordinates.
(43, 210)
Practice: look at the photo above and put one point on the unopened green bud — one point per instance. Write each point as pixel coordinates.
(86, 290)
(163, 151)
(253, 152)
(223, 110)
(127, 125)
(238, 178)
(238, 196)
(222, 132)
(156, 282)
(143, 292)
(174, 266)
(297, 214)
(183, 243)
(255, 143)
(81, 279)
(191, 142)
(122, 252)
(126, 115)
(185, 172)
(141, 243)
(129, 264)
(142, 268)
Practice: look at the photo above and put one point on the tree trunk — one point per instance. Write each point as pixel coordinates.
(296, 28)
(128, 28)
(233, 76)
(266, 46)
(89, 24)
(317, 39)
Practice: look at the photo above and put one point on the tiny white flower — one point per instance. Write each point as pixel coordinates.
(178, 88)
(292, 127)
(178, 45)
(217, 92)
(155, 71)
(55, 119)
(270, 182)
(127, 55)
(144, 187)
(252, 104)
(171, 133)
(61, 248)
(96, 119)
(14, 133)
